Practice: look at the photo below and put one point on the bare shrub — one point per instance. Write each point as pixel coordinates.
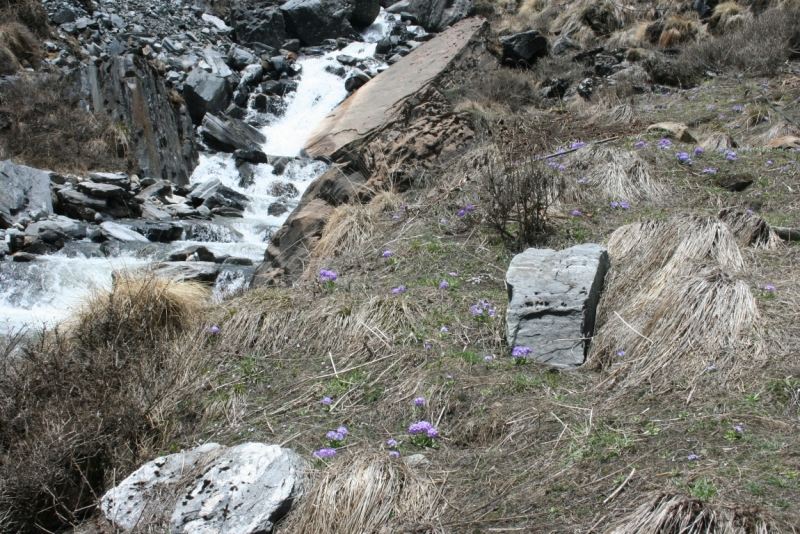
(83, 407)
(42, 127)
(517, 195)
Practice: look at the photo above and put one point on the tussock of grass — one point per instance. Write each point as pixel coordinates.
(349, 227)
(675, 304)
(750, 229)
(668, 513)
(365, 493)
(614, 174)
(18, 47)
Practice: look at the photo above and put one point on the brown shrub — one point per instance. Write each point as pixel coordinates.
(30, 13)
(82, 407)
(42, 127)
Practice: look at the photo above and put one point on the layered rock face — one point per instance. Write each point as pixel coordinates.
(127, 90)
(552, 302)
(22, 189)
(395, 126)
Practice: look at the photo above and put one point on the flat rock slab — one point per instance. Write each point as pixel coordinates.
(117, 232)
(210, 489)
(372, 105)
(553, 298)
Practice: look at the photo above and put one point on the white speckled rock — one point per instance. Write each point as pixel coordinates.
(208, 490)
(552, 300)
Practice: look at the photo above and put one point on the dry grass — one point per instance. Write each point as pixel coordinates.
(749, 229)
(675, 303)
(613, 174)
(728, 16)
(366, 493)
(666, 513)
(349, 227)
(18, 47)
(30, 13)
(83, 407)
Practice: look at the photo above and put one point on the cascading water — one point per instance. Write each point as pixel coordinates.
(48, 290)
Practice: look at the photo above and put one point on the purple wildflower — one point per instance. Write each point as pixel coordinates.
(213, 330)
(327, 276)
(419, 401)
(576, 213)
(615, 205)
(427, 346)
(343, 430)
(470, 208)
(730, 155)
(324, 453)
(684, 157)
(664, 143)
(394, 454)
(453, 274)
(579, 144)
(461, 213)
(443, 330)
(769, 162)
(623, 204)
(739, 429)
(640, 144)
(443, 221)
(334, 435)
(433, 433)
(768, 288)
(709, 171)
(326, 401)
(749, 212)
(399, 289)
(620, 353)
(521, 352)
(737, 108)
(757, 194)
(392, 443)
(692, 457)
(420, 427)
(444, 285)
(581, 181)
(387, 254)
(698, 151)
(488, 357)
(395, 216)
(710, 107)
(711, 368)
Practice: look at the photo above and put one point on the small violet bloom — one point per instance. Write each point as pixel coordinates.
(324, 453)
(443, 221)
(488, 357)
(399, 289)
(709, 171)
(768, 288)
(640, 144)
(453, 274)
(461, 213)
(443, 330)
(387, 254)
(581, 181)
(576, 213)
(711, 368)
(620, 353)
(427, 346)
(394, 454)
(521, 352)
(392, 443)
(579, 144)
(419, 401)
(444, 285)
(737, 108)
(470, 208)
(326, 401)
(698, 151)
(664, 143)
(692, 457)
(327, 276)
(343, 430)
(334, 435)
(213, 330)
(739, 429)
(395, 216)
(433, 433)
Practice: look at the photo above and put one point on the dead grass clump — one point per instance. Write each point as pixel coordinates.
(601, 18)
(20, 45)
(668, 513)
(41, 126)
(750, 229)
(31, 13)
(370, 493)
(614, 175)
(385, 202)
(675, 304)
(511, 88)
(138, 311)
(727, 16)
(349, 227)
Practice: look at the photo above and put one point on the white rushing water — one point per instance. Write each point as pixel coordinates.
(48, 290)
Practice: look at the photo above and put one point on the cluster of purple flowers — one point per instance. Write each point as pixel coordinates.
(392, 443)
(337, 435)
(683, 157)
(698, 151)
(489, 357)
(767, 288)
(327, 276)
(710, 107)
(419, 402)
(324, 453)
(423, 428)
(621, 204)
(521, 352)
(483, 306)
(399, 289)
(730, 155)
(711, 368)
(664, 143)
(557, 165)
(640, 144)
(444, 285)
(737, 109)
(467, 209)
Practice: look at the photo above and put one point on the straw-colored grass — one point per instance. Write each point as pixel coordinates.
(675, 303)
(614, 174)
(668, 513)
(365, 494)
(750, 229)
(348, 229)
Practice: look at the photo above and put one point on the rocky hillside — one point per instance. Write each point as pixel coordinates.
(545, 280)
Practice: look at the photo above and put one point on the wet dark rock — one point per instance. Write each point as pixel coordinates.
(161, 232)
(229, 134)
(257, 22)
(237, 261)
(23, 257)
(227, 211)
(313, 21)
(523, 49)
(193, 253)
(251, 156)
(433, 15)
(276, 209)
(204, 93)
(241, 57)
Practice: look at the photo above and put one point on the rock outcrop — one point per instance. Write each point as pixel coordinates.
(313, 21)
(258, 22)
(127, 90)
(22, 189)
(212, 488)
(395, 126)
(434, 15)
(552, 302)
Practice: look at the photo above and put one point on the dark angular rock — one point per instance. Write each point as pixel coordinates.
(313, 21)
(228, 134)
(523, 49)
(204, 93)
(101, 190)
(434, 15)
(238, 261)
(22, 189)
(251, 156)
(193, 253)
(364, 12)
(276, 209)
(158, 232)
(23, 257)
(258, 22)
(241, 57)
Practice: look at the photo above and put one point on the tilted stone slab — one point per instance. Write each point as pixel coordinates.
(553, 298)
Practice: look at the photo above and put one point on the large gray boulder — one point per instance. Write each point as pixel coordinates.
(228, 134)
(257, 21)
(364, 12)
(204, 93)
(209, 489)
(22, 189)
(117, 232)
(313, 21)
(435, 15)
(553, 298)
